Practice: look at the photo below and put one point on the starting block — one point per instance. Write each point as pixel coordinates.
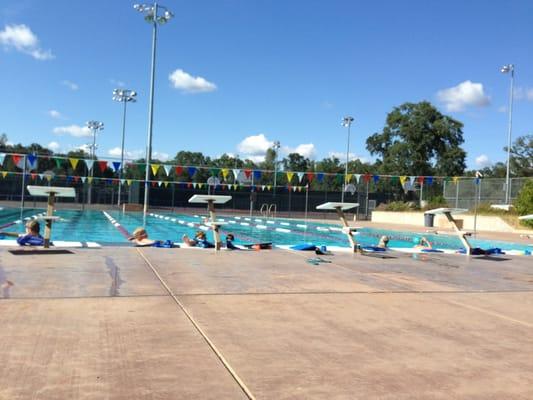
(211, 200)
(340, 208)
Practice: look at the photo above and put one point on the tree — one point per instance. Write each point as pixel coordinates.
(296, 162)
(418, 140)
(521, 162)
(524, 201)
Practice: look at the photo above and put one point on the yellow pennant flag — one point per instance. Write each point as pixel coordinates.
(90, 179)
(73, 162)
(348, 178)
(129, 182)
(200, 185)
(403, 179)
(455, 179)
(166, 183)
(289, 176)
(48, 177)
(4, 174)
(155, 168)
(299, 188)
(225, 173)
(269, 187)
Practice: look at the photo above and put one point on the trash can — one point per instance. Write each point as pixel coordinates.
(428, 220)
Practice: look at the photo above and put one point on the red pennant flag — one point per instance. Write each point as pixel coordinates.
(367, 177)
(16, 159)
(247, 173)
(420, 179)
(179, 170)
(33, 176)
(310, 176)
(154, 184)
(189, 185)
(76, 179)
(102, 165)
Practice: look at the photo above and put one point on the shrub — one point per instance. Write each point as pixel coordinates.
(397, 206)
(524, 202)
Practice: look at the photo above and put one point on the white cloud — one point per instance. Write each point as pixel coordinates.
(464, 95)
(56, 114)
(136, 154)
(306, 150)
(70, 85)
(502, 109)
(351, 156)
(483, 161)
(85, 147)
(255, 145)
(73, 130)
(21, 38)
(54, 146)
(522, 93)
(117, 82)
(181, 80)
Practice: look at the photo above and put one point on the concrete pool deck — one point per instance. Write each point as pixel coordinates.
(126, 323)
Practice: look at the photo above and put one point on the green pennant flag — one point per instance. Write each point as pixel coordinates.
(214, 171)
(142, 168)
(58, 162)
(394, 179)
(340, 178)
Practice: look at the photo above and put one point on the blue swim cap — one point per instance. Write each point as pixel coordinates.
(416, 240)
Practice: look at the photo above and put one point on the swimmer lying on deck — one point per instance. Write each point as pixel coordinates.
(200, 240)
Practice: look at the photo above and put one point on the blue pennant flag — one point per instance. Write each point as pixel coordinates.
(109, 181)
(69, 179)
(320, 176)
(376, 178)
(2, 157)
(32, 161)
(191, 171)
(429, 180)
(257, 174)
(116, 165)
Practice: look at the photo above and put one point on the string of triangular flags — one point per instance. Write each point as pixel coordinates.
(241, 175)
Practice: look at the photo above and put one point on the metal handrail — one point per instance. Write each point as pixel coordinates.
(264, 210)
(272, 210)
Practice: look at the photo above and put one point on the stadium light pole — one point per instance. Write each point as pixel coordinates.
(276, 147)
(506, 69)
(347, 123)
(125, 96)
(152, 16)
(94, 126)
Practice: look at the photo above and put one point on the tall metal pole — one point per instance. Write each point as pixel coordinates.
(276, 148)
(150, 120)
(346, 166)
(507, 174)
(122, 154)
(93, 156)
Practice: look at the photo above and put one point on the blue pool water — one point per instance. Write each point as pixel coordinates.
(95, 226)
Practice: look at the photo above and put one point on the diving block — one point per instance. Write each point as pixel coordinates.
(51, 192)
(340, 208)
(211, 200)
(448, 212)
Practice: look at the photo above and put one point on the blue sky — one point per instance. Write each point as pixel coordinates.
(257, 71)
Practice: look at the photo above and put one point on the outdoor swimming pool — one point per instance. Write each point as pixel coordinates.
(95, 226)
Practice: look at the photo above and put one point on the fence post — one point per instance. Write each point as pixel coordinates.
(457, 193)
(306, 199)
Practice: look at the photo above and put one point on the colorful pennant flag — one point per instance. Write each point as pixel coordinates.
(2, 158)
(300, 176)
(191, 171)
(319, 176)
(32, 161)
(357, 178)
(257, 174)
(89, 164)
(348, 178)
(155, 168)
(73, 162)
(310, 176)
(116, 165)
(102, 165)
(179, 170)
(375, 178)
(236, 173)
(167, 169)
(289, 176)
(247, 173)
(225, 173)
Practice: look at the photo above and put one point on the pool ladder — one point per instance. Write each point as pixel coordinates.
(268, 210)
